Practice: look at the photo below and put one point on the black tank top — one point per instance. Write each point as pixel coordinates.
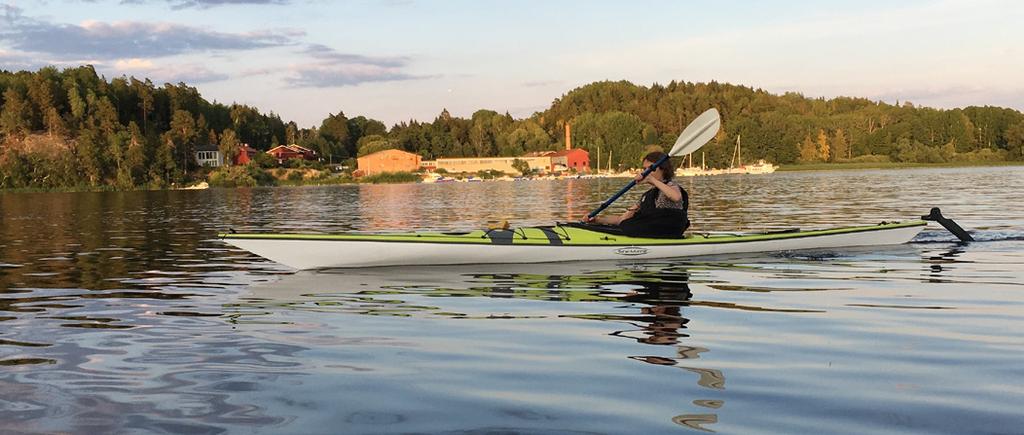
(652, 221)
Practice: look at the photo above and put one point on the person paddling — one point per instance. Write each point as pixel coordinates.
(661, 211)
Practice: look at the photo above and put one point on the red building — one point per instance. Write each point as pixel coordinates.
(245, 154)
(571, 159)
(287, 152)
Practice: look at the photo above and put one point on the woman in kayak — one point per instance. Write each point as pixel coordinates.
(661, 211)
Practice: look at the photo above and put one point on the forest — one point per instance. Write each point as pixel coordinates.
(74, 128)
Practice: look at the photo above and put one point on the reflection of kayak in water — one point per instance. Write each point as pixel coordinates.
(566, 242)
(601, 280)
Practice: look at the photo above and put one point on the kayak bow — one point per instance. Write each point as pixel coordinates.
(562, 242)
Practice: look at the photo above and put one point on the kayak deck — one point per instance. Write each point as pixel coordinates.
(542, 244)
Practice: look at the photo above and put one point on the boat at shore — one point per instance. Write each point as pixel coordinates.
(736, 166)
(556, 243)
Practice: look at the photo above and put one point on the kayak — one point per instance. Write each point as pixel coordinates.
(543, 244)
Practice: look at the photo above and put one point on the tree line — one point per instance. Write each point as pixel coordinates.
(73, 127)
(788, 128)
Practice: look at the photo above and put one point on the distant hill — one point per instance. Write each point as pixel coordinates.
(72, 127)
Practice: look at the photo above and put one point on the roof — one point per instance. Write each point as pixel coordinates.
(301, 149)
(293, 148)
(567, 152)
(538, 154)
(389, 151)
(207, 147)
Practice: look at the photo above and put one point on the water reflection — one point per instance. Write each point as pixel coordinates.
(121, 312)
(941, 262)
(648, 299)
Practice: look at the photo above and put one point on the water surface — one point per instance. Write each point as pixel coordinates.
(122, 313)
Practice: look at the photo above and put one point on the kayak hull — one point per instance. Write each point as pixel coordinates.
(542, 245)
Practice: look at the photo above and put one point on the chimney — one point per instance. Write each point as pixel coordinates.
(568, 137)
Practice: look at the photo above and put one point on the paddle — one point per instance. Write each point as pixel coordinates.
(698, 133)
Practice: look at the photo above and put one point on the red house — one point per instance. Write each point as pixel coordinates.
(571, 159)
(245, 154)
(288, 152)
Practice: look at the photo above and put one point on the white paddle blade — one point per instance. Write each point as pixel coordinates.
(698, 133)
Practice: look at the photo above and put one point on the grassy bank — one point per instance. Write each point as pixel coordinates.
(886, 165)
(391, 177)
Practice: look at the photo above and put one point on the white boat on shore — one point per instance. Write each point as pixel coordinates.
(736, 166)
(761, 167)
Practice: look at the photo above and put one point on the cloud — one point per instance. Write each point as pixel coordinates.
(191, 74)
(542, 83)
(134, 64)
(167, 73)
(19, 62)
(127, 39)
(317, 76)
(207, 4)
(949, 97)
(331, 68)
(328, 54)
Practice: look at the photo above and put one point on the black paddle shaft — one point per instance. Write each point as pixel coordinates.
(628, 186)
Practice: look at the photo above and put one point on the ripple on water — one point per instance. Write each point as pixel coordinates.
(128, 315)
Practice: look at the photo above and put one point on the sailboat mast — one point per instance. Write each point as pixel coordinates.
(739, 158)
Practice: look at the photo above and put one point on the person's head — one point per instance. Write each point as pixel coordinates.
(665, 169)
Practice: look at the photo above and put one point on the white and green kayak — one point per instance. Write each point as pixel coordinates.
(561, 242)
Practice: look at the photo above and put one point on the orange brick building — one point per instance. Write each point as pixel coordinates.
(388, 161)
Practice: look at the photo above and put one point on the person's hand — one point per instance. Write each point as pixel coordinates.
(630, 212)
(589, 219)
(649, 179)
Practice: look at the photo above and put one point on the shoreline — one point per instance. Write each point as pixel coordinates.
(297, 183)
(798, 167)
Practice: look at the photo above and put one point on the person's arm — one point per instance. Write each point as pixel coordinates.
(672, 192)
(613, 220)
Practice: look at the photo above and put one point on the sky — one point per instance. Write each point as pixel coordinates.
(396, 60)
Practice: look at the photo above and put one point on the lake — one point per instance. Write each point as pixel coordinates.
(123, 313)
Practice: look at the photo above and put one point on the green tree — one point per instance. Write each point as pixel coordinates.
(15, 119)
(522, 166)
(89, 151)
(374, 143)
(135, 161)
(840, 148)
(41, 92)
(334, 129)
(1015, 141)
(75, 101)
(164, 166)
(229, 146)
(291, 135)
(527, 136)
(54, 123)
(119, 143)
(183, 134)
